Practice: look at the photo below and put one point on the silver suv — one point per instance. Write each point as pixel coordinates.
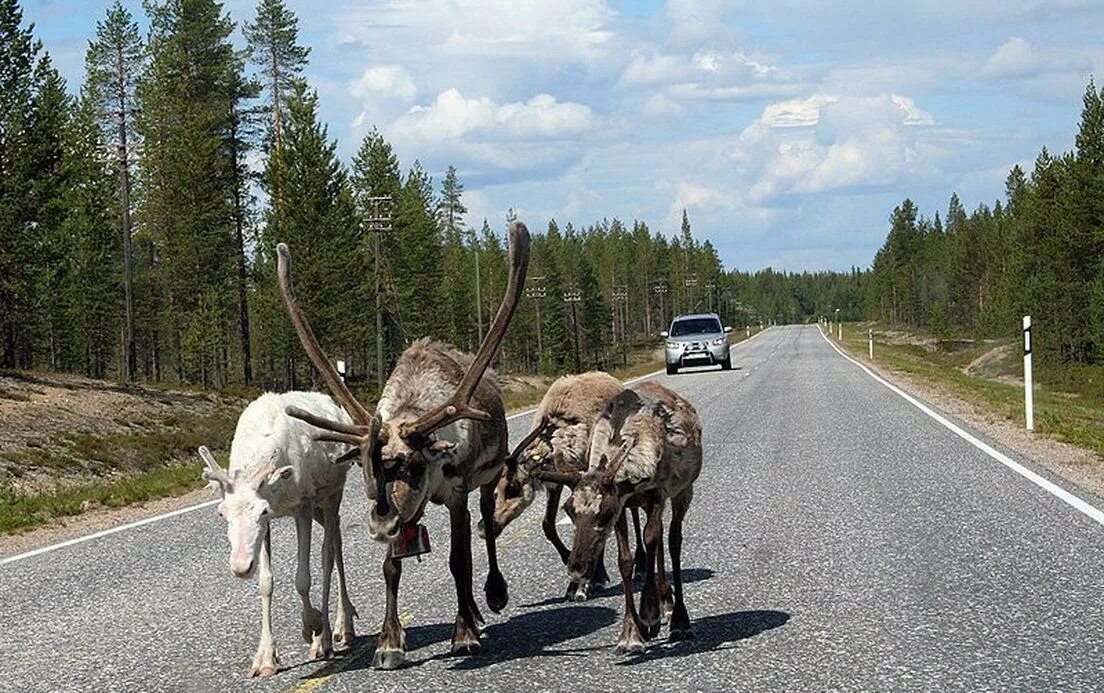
(697, 340)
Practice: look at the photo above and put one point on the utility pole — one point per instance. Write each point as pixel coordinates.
(378, 222)
(535, 289)
(478, 298)
(660, 289)
(621, 304)
(571, 296)
(690, 282)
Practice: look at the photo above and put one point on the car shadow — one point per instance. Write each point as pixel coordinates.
(712, 634)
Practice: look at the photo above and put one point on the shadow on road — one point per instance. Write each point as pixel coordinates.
(711, 634)
(689, 575)
(525, 635)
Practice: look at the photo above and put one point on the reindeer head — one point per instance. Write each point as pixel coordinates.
(245, 506)
(596, 501)
(399, 458)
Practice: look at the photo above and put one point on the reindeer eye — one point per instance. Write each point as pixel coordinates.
(264, 512)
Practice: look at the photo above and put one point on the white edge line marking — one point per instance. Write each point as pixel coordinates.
(1049, 486)
(206, 504)
(104, 533)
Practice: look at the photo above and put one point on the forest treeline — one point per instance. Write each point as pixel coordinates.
(1037, 251)
(140, 211)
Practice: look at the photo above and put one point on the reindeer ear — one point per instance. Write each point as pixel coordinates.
(279, 474)
(441, 446)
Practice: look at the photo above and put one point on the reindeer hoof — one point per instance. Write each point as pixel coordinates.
(388, 660)
(469, 647)
(343, 640)
(629, 647)
(263, 672)
(651, 630)
(576, 592)
(496, 592)
(265, 664)
(681, 634)
(320, 649)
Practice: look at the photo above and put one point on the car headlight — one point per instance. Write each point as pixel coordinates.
(674, 345)
(718, 341)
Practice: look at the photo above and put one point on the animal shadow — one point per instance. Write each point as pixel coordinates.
(536, 634)
(613, 589)
(713, 633)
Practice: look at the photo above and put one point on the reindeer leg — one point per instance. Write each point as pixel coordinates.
(391, 644)
(329, 526)
(649, 596)
(265, 662)
(343, 638)
(549, 523)
(640, 564)
(630, 640)
(666, 599)
(314, 626)
(465, 635)
(680, 621)
(495, 588)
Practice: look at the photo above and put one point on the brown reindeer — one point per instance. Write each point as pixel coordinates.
(561, 429)
(438, 433)
(645, 448)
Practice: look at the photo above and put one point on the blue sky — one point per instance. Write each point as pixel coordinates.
(788, 129)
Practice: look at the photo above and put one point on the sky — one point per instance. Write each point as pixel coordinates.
(787, 129)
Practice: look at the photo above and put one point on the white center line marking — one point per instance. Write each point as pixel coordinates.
(1050, 487)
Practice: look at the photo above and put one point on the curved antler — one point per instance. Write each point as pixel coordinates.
(318, 357)
(213, 472)
(561, 472)
(457, 407)
(365, 433)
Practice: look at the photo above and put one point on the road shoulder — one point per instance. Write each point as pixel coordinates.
(1079, 466)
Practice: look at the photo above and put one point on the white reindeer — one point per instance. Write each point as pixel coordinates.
(277, 469)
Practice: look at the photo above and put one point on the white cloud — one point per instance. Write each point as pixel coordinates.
(384, 81)
(659, 106)
(550, 30)
(452, 117)
(1019, 58)
(829, 142)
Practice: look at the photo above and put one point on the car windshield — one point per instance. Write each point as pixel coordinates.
(681, 328)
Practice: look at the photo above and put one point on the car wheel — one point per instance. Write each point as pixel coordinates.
(726, 365)
(671, 370)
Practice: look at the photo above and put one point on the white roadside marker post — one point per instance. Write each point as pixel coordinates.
(748, 328)
(1029, 397)
(870, 335)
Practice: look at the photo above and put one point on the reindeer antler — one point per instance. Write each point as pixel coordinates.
(561, 472)
(213, 472)
(365, 432)
(457, 407)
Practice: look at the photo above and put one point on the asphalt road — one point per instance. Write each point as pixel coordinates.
(840, 539)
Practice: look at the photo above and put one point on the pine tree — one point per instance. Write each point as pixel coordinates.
(91, 277)
(113, 63)
(187, 99)
(321, 231)
(456, 290)
(273, 47)
(19, 54)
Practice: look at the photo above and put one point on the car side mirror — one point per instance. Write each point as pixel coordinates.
(664, 334)
(727, 329)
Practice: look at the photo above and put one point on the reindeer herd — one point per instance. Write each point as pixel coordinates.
(438, 433)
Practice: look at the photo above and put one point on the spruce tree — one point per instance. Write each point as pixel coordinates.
(113, 63)
(272, 38)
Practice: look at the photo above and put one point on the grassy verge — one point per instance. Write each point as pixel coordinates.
(129, 467)
(23, 511)
(1069, 401)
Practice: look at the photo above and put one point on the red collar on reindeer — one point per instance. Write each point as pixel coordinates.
(413, 537)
